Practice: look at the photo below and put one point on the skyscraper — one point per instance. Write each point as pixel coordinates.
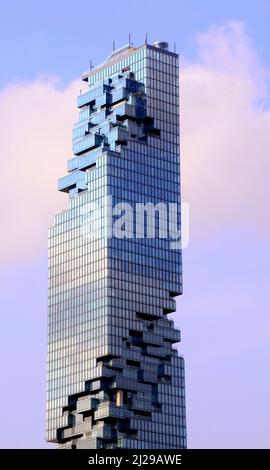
(114, 377)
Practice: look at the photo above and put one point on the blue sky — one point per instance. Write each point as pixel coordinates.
(60, 37)
(225, 140)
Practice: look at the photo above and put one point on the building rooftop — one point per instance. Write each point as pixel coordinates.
(123, 52)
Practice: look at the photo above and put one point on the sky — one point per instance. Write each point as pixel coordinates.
(225, 140)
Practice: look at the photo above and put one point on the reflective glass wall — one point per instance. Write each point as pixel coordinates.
(114, 377)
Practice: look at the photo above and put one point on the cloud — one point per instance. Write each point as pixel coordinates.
(35, 143)
(225, 131)
(224, 136)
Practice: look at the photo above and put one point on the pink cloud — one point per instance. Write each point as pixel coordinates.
(225, 134)
(35, 135)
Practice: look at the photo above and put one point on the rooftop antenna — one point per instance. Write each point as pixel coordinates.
(174, 47)
(113, 46)
(146, 38)
(91, 65)
(129, 39)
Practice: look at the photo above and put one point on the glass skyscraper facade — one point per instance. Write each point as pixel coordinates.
(114, 377)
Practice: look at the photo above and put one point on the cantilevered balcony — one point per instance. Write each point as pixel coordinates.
(88, 142)
(152, 338)
(91, 95)
(130, 111)
(110, 410)
(118, 135)
(119, 94)
(86, 404)
(84, 161)
(71, 181)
